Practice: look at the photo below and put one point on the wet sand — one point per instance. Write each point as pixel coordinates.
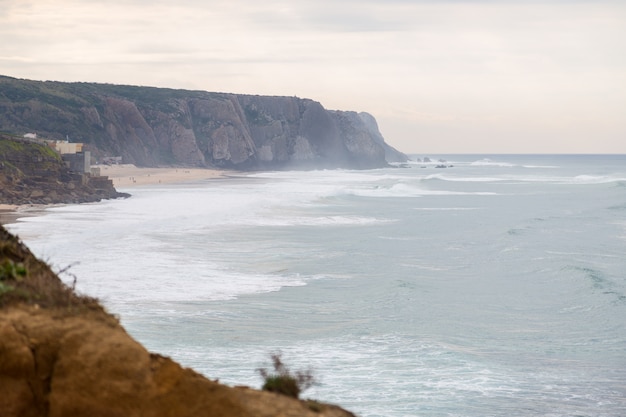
(9, 213)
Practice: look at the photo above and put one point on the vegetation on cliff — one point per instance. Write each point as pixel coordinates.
(283, 380)
(24, 279)
(62, 354)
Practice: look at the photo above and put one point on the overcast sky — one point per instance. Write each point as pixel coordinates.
(442, 76)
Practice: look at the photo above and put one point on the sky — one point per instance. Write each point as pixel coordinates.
(440, 76)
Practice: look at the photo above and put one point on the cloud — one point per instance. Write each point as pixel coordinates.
(494, 64)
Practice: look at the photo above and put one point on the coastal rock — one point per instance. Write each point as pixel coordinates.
(32, 173)
(61, 354)
(175, 135)
(391, 154)
(128, 130)
(156, 126)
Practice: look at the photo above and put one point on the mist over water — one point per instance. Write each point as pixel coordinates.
(495, 287)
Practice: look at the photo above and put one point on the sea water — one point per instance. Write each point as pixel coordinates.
(492, 287)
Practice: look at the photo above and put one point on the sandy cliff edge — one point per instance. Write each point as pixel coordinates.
(62, 354)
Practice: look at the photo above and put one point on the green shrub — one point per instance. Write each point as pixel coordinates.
(10, 270)
(283, 381)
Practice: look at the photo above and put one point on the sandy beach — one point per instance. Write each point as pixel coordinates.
(127, 175)
(123, 176)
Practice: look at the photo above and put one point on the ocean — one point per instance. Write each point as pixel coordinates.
(493, 287)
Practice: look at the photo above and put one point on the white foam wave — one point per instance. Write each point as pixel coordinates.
(579, 179)
(445, 208)
(462, 179)
(314, 221)
(489, 162)
(153, 271)
(405, 190)
(323, 177)
(424, 267)
(596, 179)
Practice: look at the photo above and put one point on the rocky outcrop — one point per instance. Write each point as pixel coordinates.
(369, 122)
(154, 126)
(32, 173)
(61, 354)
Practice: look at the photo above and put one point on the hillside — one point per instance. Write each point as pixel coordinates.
(149, 126)
(32, 173)
(62, 354)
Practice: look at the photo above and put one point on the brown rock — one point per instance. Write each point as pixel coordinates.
(56, 364)
(67, 357)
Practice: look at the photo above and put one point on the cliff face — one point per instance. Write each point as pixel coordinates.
(154, 126)
(61, 354)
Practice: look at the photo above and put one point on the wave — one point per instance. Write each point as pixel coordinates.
(443, 177)
(446, 208)
(405, 190)
(325, 176)
(314, 221)
(577, 180)
(215, 285)
(489, 162)
(596, 179)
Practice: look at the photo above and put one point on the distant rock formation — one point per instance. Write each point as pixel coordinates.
(157, 126)
(61, 354)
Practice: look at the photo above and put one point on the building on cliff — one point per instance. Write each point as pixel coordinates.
(73, 154)
(78, 162)
(66, 147)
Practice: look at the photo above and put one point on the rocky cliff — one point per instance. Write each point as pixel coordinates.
(157, 126)
(32, 173)
(62, 355)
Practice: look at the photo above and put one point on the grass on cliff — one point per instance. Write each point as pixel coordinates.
(283, 381)
(26, 279)
(16, 149)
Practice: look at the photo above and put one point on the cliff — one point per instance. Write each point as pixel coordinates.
(61, 354)
(32, 173)
(156, 126)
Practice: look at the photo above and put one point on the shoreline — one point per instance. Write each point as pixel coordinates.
(11, 213)
(123, 176)
(128, 175)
